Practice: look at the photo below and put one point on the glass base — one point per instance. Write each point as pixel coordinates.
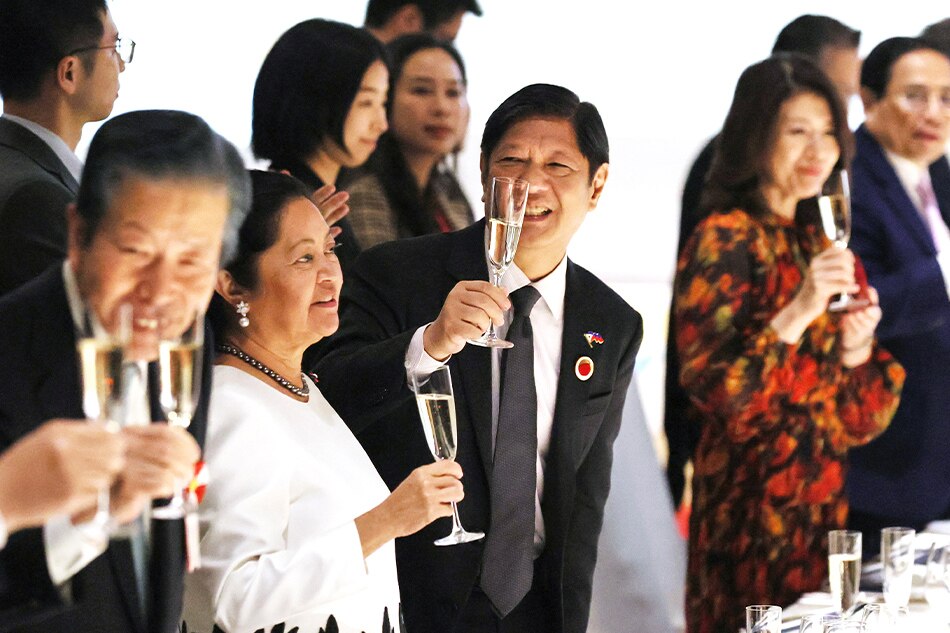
(847, 303)
(459, 536)
(491, 341)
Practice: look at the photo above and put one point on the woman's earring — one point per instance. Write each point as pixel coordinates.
(242, 309)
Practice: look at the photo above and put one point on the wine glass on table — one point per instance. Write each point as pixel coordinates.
(844, 567)
(504, 216)
(897, 556)
(437, 409)
(179, 364)
(763, 618)
(834, 208)
(101, 355)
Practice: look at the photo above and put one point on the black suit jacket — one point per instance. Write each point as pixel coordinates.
(39, 380)
(904, 473)
(35, 188)
(399, 286)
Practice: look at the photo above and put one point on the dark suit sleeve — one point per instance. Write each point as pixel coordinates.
(361, 367)
(592, 488)
(911, 286)
(32, 232)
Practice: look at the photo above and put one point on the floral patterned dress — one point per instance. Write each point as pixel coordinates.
(777, 419)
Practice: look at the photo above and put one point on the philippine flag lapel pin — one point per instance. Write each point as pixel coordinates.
(593, 337)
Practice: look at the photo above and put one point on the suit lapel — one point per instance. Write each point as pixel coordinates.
(898, 198)
(473, 363)
(572, 392)
(940, 177)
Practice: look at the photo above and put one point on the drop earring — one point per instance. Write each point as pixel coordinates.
(242, 309)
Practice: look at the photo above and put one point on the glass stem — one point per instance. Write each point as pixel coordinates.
(496, 276)
(456, 522)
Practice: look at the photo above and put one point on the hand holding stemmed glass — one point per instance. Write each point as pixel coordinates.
(834, 207)
(179, 360)
(504, 215)
(436, 403)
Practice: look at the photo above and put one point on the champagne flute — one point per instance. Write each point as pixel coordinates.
(101, 357)
(436, 404)
(834, 208)
(897, 555)
(844, 567)
(179, 361)
(504, 217)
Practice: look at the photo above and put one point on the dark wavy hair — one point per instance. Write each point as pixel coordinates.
(748, 135)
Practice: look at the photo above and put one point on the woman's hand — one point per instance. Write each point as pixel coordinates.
(857, 332)
(424, 496)
(830, 273)
(332, 203)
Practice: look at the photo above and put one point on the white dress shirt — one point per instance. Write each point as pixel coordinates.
(547, 324)
(57, 144)
(910, 173)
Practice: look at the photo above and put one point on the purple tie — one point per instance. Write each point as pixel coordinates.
(931, 214)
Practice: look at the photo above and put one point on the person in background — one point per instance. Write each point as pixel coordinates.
(782, 388)
(297, 526)
(537, 458)
(389, 19)
(158, 206)
(59, 69)
(404, 189)
(901, 206)
(320, 105)
(833, 46)
(938, 35)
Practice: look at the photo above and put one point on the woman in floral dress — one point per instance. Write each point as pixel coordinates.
(783, 386)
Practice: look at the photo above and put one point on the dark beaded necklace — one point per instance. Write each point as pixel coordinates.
(303, 392)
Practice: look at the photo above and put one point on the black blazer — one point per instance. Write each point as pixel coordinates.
(399, 286)
(904, 473)
(35, 188)
(39, 380)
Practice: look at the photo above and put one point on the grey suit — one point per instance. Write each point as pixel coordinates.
(35, 188)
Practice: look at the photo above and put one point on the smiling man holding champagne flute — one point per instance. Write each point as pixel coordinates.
(535, 423)
(159, 191)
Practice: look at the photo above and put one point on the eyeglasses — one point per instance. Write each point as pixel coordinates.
(125, 49)
(917, 99)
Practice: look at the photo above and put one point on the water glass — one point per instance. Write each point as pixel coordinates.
(763, 618)
(897, 556)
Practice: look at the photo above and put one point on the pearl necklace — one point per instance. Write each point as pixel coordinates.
(303, 392)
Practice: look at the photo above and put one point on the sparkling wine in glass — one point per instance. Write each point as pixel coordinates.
(834, 208)
(179, 361)
(503, 220)
(437, 410)
(101, 356)
(844, 567)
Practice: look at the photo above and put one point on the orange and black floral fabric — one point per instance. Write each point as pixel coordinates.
(777, 419)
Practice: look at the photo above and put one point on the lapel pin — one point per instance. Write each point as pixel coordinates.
(584, 368)
(593, 337)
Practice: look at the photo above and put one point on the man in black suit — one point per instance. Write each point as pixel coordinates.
(59, 69)
(900, 211)
(159, 190)
(413, 304)
(834, 47)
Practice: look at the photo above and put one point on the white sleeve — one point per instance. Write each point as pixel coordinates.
(70, 547)
(253, 567)
(419, 362)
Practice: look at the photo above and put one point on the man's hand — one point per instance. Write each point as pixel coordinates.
(466, 313)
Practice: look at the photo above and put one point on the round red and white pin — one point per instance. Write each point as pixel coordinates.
(584, 368)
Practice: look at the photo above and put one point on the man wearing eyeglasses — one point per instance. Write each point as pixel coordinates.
(901, 207)
(59, 69)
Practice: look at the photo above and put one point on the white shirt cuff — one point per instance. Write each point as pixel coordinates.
(70, 547)
(943, 260)
(418, 362)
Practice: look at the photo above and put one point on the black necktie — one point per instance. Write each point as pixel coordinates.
(508, 564)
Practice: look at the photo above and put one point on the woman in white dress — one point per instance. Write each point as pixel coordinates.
(297, 527)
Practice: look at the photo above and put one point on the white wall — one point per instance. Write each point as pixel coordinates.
(662, 74)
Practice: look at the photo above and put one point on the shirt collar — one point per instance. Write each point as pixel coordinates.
(63, 152)
(77, 307)
(551, 287)
(908, 172)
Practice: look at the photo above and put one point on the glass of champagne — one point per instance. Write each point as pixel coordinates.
(834, 208)
(437, 409)
(897, 556)
(844, 567)
(763, 618)
(504, 216)
(101, 355)
(179, 362)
